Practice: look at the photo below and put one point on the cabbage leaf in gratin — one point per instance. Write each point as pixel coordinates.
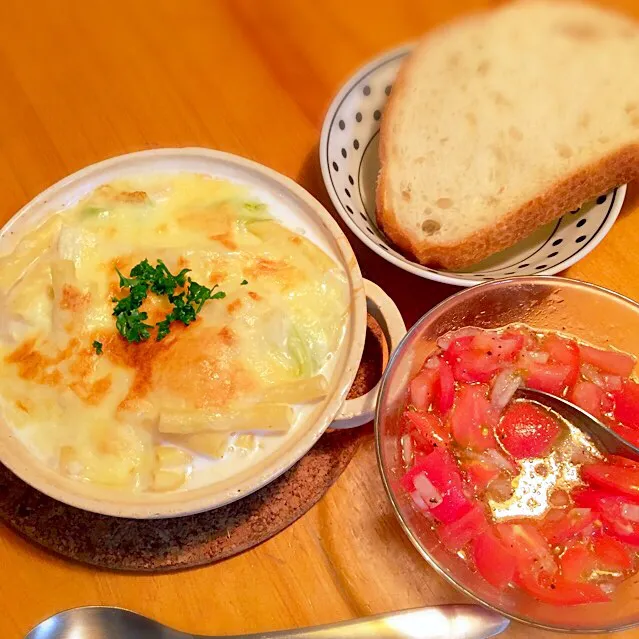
(94, 401)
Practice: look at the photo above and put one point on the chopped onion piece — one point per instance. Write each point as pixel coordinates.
(608, 588)
(407, 449)
(499, 460)
(539, 356)
(418, 500)
(501, 489)
(630, 512)
(592, 374)
(432, 363)
(504, 387)
(427, 491)
(612, 382)
(559, 498)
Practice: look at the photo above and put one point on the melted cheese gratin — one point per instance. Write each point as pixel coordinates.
(137, 415)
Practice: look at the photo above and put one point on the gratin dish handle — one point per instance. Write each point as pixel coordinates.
(361, 410)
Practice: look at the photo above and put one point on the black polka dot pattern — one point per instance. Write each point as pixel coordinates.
(581, 222)
(358, 116)
(387, 90)
(344, 153)
(335, 167)
(557, 242)
(601, 199)
(351, 180)
(356, 144)
(342, 125)
(580, 239)
(348, 193)
(367, 90)
(553, 254)
(377, 114)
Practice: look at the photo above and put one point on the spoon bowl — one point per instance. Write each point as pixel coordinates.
(435, 622)
(603, 437)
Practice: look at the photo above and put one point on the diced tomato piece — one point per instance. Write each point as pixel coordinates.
(458, 346)
(550, 378)
(446, 395)
(474, 366)
(456, 534)
(559, 591)
(627, 404)
(429, 427)
(531, 551)
(527, 430)
(441, 470)
(608, 361)
(620, 479)
(588, 396)
(422, 388)
(493, 560)
(606, 554)
(480, 473)
(611, 509)
(566, 527)
(590, 497)
(612, 555)
(473, 419)
(502, 347)
(629, 434)
(578, 563)
(563, 351)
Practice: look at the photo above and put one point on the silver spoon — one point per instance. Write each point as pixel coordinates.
(601, 435)
(462, 621)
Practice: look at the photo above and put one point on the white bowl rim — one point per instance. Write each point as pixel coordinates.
(102, 500)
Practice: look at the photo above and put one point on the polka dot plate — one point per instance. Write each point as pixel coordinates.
(349, 160)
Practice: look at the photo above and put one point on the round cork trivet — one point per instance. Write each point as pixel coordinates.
(173, 544)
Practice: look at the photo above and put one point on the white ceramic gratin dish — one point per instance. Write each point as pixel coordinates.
(297, 209)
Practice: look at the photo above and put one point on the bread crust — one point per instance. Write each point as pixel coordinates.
(587, 182)
(590, 181)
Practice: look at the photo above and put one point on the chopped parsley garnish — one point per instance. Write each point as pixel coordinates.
(158, 279)
(98, 347)
(254, 206)
(243, 283)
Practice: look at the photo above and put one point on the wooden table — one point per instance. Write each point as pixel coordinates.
(81, 81)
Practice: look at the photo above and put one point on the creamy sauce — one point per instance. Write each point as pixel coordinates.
(95, 417)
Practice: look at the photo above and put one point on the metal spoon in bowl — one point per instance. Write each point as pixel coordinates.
(434, 622)
(601, 435)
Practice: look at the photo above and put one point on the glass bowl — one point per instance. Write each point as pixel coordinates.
(588, 312)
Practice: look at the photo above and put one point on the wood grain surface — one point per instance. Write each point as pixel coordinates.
(81, 81)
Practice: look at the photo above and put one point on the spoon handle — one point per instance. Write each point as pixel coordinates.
(435, 622)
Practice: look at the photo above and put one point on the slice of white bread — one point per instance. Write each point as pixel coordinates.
(503, 121)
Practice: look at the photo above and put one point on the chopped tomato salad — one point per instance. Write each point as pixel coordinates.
(521, 495)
